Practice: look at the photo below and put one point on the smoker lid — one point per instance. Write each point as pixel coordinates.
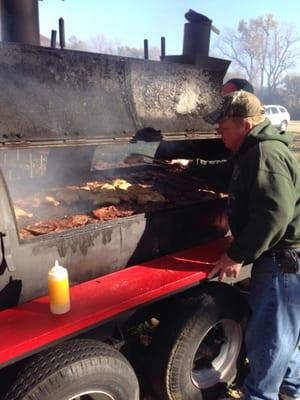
(63, 95)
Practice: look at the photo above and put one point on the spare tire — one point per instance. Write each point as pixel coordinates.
(77, 369)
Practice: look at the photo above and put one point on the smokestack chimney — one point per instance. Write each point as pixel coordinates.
(20, 21)
(196, 35)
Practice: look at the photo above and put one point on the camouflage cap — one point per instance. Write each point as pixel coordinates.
(236, 104)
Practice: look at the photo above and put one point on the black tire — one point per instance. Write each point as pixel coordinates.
(78, 369)
(194, 354)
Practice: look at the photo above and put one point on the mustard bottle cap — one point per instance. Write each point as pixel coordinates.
(58, 271)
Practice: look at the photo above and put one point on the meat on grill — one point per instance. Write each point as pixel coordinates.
(112, 212)
(67, 196)
(57, 225)
(51, 201)
(106, 197)
(42, 227)
(150, 197)
(75, 220)
(121, 184)
(19, 212)
(102, 200)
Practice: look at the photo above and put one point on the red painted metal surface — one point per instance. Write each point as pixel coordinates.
(29, 326)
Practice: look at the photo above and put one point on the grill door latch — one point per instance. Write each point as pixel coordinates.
(6, 261)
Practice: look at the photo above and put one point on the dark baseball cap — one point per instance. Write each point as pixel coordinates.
(241, 84)
(236, 104)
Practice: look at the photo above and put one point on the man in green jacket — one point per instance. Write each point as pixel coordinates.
(264, 218)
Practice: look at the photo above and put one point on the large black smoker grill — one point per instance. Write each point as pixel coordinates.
(62, 112)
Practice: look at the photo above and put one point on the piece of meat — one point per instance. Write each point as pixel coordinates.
(78, 220)
(20, 213)
(72, 221)
(85, 195)
(67, 196)
(57, 225)
(25, 235)
(106, 197)
(51, 200)
(121, 184)
(94, 184)
(42, 227)
(85, 187)
(123, 194)
(107, 186)
(142, 194)
(134, 190)
(150, 197)
(111, 212)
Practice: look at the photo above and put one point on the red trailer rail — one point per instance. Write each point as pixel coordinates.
(28, 327)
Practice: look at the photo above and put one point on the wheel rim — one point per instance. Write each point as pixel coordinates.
(215, 358)
(92, 395)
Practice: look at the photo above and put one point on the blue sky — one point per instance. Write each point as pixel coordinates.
(132, 21)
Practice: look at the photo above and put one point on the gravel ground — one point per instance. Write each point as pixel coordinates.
(294, 129)
(294, 126)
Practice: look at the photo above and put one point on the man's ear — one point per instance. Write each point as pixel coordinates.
(248, 124)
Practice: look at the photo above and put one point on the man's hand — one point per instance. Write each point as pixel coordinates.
(225, 266)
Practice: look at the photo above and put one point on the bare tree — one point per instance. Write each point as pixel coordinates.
(232, 47)
(262, 48)
(101, 44)
(292, 87)
(280, 57)
(154, 52)
(127, 51)
(76, 44)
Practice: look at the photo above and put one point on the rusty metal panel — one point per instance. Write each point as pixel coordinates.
(171, 97)
(62, 94)
(47, 93)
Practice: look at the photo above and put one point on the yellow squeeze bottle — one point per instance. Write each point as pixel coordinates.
(59, 293)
